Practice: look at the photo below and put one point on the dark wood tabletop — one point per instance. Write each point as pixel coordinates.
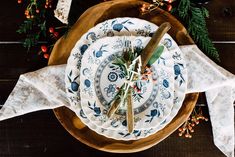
(39, 134)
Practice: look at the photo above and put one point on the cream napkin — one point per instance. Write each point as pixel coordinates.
(205, 76)
(45, 89)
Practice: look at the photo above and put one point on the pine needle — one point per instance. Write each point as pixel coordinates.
(195, 19)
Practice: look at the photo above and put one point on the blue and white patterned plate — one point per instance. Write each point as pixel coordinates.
(100, 77)
(137, 28)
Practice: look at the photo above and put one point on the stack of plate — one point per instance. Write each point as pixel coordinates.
(92, 80)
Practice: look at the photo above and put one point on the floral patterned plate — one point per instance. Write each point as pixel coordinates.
(100, 78)
(139, 28)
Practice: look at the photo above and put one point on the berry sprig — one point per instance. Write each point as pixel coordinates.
(165, 4)
(45, 50)
(187, 128)
(34, 26)
(147, 73)
(53, 33)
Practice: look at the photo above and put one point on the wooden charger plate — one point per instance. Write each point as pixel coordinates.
(63, 47)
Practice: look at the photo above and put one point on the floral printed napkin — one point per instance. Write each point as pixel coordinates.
(62, 10)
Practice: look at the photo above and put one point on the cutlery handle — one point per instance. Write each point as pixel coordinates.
(130, 112)
(153, 43)
(114, 106)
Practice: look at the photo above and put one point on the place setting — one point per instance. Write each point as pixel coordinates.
(127, 83)
(154, 96)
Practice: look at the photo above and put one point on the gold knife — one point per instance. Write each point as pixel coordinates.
(145, 57)
(114, 106)
(130, 112)
(153, 43)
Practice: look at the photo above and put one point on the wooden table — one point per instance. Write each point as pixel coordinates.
(40, 134)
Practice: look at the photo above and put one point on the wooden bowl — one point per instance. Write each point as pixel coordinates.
(63, 47)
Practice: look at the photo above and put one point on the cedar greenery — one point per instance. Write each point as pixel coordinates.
(34, 26)
(32, 36)
(194, 17)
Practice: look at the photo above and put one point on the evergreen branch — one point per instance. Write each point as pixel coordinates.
(195, 19)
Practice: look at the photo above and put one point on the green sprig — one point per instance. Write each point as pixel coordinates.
(194, 18)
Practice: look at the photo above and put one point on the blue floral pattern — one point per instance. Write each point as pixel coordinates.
(178, 74)
(99, 53)
(117, 71)
(118, 26)
(107, 76)
(91, 36)
(74, 86)
(157, 111)
(167, 42)
(115, 75)
(97, 111)
(82, 114)
(139, 28)
(110, 90)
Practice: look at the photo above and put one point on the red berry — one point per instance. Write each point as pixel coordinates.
(26, 12)
(170, 1)
(46, 55)
(44, 48)
(37, 10)
(169, 7)
(51, 30)
(19, 1)
(56, 34)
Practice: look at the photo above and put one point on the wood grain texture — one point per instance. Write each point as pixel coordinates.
(39, 134)
(6, 86)
(71, 122)
(10, 17)
(227, 56)
(14, 60)
(222, 20)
